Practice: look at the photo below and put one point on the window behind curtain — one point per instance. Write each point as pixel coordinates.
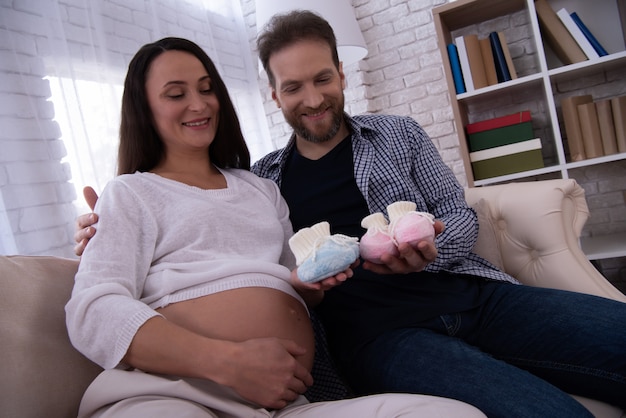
(62, 65)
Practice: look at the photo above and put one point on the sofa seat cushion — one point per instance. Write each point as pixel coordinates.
(43, 375)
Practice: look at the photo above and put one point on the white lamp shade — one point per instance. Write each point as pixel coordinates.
(339, 13)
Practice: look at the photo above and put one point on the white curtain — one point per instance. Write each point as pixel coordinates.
(62, 65)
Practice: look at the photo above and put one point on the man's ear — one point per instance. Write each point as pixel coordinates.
(275, 98)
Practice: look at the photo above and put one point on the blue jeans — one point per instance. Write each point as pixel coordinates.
(518, 355)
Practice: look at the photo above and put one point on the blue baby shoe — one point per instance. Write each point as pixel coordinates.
(320, 255)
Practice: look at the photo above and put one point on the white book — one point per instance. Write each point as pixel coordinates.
(486, 154)
(464, 61)
(578, 35)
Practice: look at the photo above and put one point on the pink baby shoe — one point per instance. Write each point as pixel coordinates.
(376, 241)
(407, 225)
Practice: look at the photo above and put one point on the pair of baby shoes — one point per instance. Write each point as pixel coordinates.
(405, 225)
(320, 255)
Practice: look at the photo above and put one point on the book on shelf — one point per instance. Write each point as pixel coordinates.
(475, 58)
(577, 33)
(507, 159)
(464, 61)
(571, 122)
(483, 62)
(607, 127)
(618, 106)
(590, 129)
(507, 55)
(455, 66)
(592, 39)
(502, 69)
(490, 66)
(498, 122)
(557, 35)
(497, 137)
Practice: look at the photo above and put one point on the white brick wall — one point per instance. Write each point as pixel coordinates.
(39, 216)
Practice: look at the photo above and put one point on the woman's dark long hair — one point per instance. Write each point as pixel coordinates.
(141, 148)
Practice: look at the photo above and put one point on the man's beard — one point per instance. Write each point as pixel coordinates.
(309, 136)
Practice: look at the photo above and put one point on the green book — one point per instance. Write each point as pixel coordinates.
(507, 164)
(500, 136)
(507, 159)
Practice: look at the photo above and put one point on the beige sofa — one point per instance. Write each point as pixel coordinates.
(530, 229)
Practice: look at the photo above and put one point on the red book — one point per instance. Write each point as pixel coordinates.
(485, 125)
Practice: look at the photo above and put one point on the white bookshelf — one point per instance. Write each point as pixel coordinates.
(537, 85)
(606, 246)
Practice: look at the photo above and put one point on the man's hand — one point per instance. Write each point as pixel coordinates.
(324, 284)
(410, 260)
(313, 293)
(84, 228)
(267, 372)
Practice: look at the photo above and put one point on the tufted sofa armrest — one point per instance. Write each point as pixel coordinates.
(536, 228)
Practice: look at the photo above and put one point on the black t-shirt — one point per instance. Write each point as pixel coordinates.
(368, 303)
(324, 190)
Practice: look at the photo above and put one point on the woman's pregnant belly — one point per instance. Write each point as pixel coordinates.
(246, 313)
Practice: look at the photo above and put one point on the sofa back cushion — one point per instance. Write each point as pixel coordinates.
(42, 374)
